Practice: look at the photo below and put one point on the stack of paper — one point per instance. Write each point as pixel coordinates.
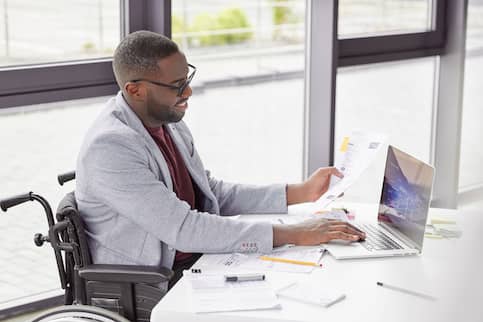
(442, 228)
(248, 262)
(211, 293)
(447, 230)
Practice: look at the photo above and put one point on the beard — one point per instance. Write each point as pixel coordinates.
(163, 113)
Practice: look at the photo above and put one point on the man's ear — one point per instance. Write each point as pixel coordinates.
(135, 91)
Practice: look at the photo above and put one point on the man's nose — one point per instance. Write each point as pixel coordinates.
(187, 92)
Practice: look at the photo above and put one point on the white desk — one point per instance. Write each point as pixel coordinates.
(449, 269)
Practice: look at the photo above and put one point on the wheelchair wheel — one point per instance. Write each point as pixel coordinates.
(79, 313)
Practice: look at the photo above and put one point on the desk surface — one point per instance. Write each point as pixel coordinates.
(449, 269)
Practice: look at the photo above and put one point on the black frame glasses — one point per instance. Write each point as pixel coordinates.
(181, 88)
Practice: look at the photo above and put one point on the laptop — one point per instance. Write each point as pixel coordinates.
(402, 215)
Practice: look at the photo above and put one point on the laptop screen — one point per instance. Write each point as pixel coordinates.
(406, 193)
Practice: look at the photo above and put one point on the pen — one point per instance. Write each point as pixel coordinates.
(244, 277)
(400, 289)
(288, 261)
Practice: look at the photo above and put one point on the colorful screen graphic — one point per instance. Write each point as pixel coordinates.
(406, 193)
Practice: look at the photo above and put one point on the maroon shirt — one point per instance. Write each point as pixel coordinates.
(182, 184)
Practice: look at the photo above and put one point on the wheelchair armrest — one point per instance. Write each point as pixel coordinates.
(125, 273)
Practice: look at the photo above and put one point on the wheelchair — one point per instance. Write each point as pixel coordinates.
(93, 292)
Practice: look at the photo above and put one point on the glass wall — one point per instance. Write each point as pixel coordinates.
(33, 32)
(395, 99)
(38, 143)
(370, 17)
(471, 173)
(246, 112)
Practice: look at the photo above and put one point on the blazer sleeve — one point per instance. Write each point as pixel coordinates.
(116, 172)
(242, 198)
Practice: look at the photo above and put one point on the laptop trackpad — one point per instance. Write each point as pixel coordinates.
(344, 248)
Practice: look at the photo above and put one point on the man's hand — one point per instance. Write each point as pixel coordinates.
(314, 187)
(314, 232)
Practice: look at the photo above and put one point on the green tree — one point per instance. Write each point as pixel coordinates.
(206, 22)
(177, 27)
(234, 18)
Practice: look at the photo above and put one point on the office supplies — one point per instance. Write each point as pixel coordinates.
(244, 277)
(237, 262)
(288, 261)
(212, 293)
(447, 230)
(404, 290)
(403, 211)
(441, 220)
(310, 294)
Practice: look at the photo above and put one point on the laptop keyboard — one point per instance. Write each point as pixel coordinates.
(376, 239)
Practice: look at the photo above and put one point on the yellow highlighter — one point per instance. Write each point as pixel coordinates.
(289, 261)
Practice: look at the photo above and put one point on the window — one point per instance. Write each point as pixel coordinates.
(471, 176)
(246, 112)
(35, 32)
(395, 99)
(361, 18)
(38, 142)
(392, 98)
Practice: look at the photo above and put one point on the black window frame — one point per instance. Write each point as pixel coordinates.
(66, 80)
(383, 48)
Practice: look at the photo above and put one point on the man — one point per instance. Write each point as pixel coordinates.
(141, 187)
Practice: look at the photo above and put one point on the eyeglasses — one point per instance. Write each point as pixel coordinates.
(181, 88)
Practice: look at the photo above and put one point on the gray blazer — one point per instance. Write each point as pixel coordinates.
(125, 196)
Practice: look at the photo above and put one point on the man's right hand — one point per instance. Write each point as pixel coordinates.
(314, 232)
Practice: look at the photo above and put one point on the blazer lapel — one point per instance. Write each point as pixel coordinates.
(182, 145)
(135, 123)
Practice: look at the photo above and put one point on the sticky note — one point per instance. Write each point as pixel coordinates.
(345, 143)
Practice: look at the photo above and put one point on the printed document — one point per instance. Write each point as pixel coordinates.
(355, 154)
(250, 262)
(211, 293)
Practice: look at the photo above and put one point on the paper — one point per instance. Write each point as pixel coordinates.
(310, 294)
(249, 262)
(211, 293)
(447, 230)
(354, 156)
(337, 214)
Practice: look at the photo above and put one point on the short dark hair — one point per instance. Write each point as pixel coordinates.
(139, 53)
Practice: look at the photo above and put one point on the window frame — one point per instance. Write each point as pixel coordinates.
(350, 52)
(75, 79)
(446, 40)
(45, 83)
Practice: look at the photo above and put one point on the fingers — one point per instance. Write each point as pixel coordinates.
(334, 171)
(347, 229)
(342, 235)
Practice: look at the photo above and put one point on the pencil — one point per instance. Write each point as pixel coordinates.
(288, 261)
(404, 290)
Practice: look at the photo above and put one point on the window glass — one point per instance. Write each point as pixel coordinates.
(362, 17)
(471, 160)
(246, 112)
(395, 99)
(34, 31)
(38, 143)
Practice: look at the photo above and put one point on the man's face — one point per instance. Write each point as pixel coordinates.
(166, 105)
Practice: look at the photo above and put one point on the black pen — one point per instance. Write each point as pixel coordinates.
(244, 277)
